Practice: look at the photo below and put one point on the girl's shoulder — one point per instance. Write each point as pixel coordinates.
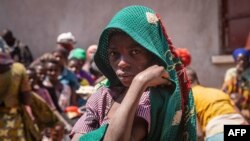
(101, 93)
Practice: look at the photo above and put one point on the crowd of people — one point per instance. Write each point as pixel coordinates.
(133, 85)
(41, 99)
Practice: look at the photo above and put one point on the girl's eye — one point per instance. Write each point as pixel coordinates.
(134, 52)
(112, 53)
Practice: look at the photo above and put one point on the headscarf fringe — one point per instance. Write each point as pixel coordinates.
(182, 77)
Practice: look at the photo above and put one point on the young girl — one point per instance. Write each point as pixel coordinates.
(147, 96)
(37, 86)
(60, 93)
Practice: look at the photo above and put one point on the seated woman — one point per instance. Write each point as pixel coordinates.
(145, 98)
(237, 81)
(76, 60)
(35, 84)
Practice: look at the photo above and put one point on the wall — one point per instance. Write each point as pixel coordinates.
(193, 24)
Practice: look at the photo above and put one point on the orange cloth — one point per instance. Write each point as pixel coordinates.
(184, 55)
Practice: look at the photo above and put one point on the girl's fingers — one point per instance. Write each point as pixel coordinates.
(165, 75)
(166, 81)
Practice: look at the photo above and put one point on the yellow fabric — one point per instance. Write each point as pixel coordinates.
(210, 103)
(245, 103)
(11, 125)
(44, 115)
(12, 83)
(84, 82)
(4, 83)
(230, 73)
(239, 88)
(230, 82)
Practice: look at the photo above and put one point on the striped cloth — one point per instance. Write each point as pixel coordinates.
(98, 106)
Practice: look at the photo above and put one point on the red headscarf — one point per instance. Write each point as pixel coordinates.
(184, 55)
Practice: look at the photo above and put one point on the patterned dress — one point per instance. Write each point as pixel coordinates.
(12, 83)
(238, 87)
(99, 105)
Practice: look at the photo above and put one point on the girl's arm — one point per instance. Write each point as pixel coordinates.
(124, 126)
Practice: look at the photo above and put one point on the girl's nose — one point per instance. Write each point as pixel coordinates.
(58, 58)
(52, 72)
(123, 62)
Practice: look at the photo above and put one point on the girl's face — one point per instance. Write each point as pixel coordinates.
(40, 72)
(127, 58)
(74, 66)
(32, 77)
(53, 71)
(60, 57)
(242, 63)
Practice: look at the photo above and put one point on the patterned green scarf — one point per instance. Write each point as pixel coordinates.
(172, 112)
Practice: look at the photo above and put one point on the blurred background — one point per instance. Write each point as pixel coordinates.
(209, 29)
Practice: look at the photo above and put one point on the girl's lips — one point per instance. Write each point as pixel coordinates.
(126, 77)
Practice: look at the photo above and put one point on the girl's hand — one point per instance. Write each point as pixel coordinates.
(153, 76)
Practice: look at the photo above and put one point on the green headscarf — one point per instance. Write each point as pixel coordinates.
(77, 53)
(172, 112)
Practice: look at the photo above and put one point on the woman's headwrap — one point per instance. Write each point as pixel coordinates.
(172, 111)
(67, 40)
(184, 56)
(240, 51)
(77, 53)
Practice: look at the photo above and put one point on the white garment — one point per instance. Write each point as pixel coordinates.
(216, 125)
(64, 97)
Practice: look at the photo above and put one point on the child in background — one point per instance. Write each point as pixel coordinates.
(60, 93)
(76, 60)
(39, 89)
(66, 76)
